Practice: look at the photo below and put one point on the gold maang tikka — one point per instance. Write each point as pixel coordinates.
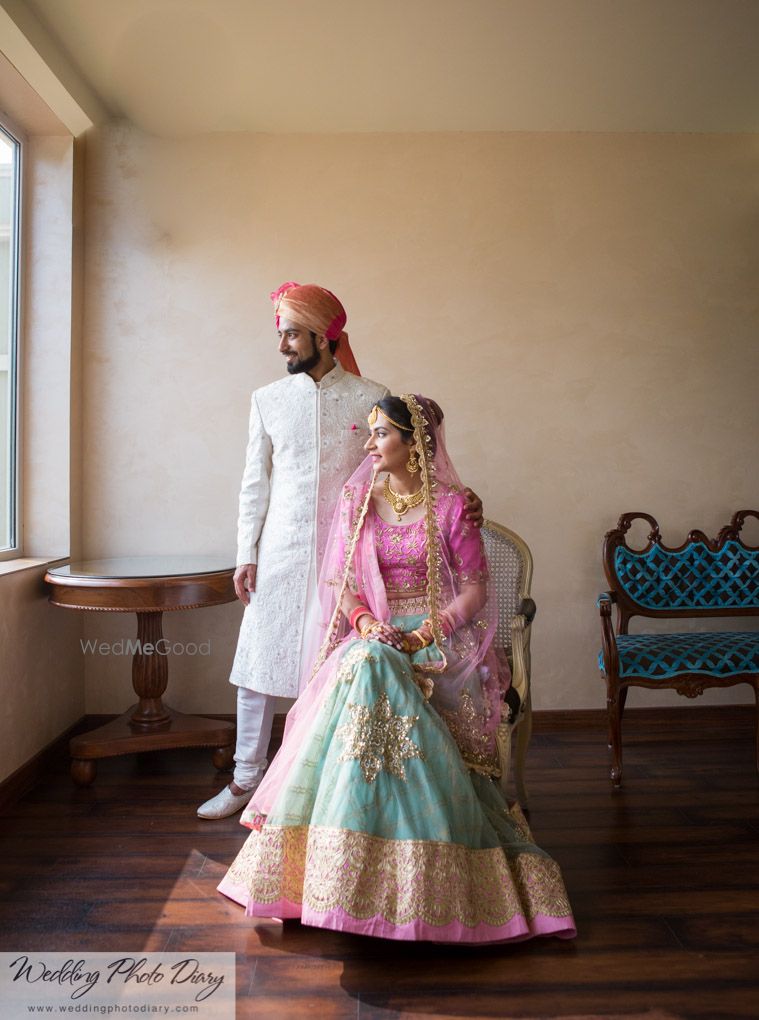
(377, 411)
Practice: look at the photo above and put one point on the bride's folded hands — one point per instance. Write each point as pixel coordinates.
(384, 632)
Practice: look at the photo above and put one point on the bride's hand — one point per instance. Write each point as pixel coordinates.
(387, 634)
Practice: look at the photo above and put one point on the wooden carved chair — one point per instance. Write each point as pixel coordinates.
(511, 569)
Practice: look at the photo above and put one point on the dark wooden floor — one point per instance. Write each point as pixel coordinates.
(663, 876)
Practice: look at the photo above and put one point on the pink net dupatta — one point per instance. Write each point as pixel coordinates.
(462, 605)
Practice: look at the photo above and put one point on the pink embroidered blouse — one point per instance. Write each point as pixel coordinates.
(402, 548)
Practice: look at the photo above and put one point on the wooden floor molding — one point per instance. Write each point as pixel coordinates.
(37, 769)
(663, 876)
(665, 717)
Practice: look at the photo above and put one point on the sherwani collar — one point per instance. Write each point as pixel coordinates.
(333, 376)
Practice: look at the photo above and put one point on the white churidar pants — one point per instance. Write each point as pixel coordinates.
(255, 713)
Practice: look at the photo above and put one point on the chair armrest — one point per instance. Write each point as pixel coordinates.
(520, 654)
(527, 609)
(610, 654)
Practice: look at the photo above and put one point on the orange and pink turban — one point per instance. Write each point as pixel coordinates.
(320, 312)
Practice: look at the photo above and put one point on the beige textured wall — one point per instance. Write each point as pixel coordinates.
(583, 306)
(41, 669)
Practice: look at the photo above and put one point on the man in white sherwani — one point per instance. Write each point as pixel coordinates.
(307, 433)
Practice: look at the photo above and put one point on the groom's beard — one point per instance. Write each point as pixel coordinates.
(305, 364)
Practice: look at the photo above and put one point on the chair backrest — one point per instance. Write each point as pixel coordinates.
(703, 576)
(511, 570)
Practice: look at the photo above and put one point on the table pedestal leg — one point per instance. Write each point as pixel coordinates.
(150, 672)
(149, 725)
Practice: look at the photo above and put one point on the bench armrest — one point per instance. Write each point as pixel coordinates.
(610, 654)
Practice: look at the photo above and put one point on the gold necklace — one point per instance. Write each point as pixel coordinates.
(401, 504)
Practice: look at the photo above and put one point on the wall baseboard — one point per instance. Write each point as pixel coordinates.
(654, 718)
(55, 757)
(52, 758)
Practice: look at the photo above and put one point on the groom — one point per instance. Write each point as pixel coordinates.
(306, 437)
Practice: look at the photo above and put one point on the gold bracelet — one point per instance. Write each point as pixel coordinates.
(423, 641)
(407, 645)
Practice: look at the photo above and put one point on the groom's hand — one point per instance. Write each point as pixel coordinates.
(245, 582)
(473, 507)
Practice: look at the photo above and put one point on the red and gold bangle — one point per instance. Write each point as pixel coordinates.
(357, 613)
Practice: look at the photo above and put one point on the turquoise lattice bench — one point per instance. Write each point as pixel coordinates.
(701, 578)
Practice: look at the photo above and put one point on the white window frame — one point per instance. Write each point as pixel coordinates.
(14, 348)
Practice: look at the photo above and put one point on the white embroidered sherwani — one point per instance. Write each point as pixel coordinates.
(302, 447)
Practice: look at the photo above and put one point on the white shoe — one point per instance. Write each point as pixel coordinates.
(224, 804)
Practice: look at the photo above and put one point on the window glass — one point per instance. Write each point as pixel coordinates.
(10, 153)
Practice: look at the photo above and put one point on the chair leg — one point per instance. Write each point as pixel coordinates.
(524, 733)
(614, 704)
(622, 696)
(622, 700)
(756, 699)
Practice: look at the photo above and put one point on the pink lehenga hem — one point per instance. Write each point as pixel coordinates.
(518, 929)
(233, 891)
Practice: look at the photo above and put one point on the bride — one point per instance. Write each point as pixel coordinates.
(381, 814)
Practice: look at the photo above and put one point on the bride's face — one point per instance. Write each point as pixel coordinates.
(386, 447)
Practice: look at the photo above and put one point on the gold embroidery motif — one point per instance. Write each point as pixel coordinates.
(378, 739)
(399, 880)
(477, 749)
(472, 576)
(355, 655)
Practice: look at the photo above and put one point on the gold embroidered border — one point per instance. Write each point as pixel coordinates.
(423, 444)
(399, 880)
(416, 605)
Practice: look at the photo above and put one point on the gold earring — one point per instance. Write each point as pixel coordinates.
(412, 464)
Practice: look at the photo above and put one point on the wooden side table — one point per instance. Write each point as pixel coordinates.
(148, 586)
